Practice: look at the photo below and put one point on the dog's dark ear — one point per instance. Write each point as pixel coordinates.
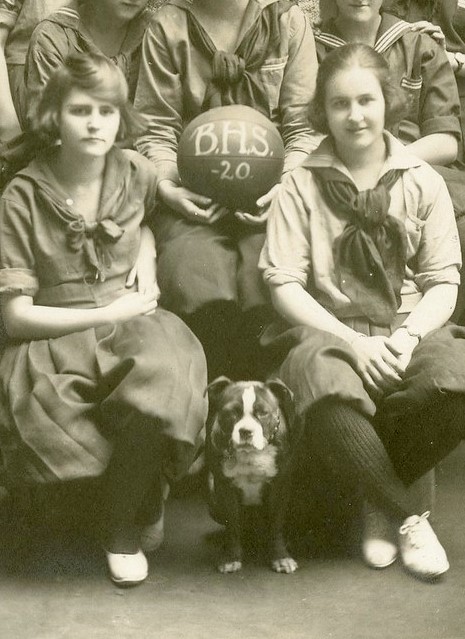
(284, 396)
(216, 387)
(279, 388)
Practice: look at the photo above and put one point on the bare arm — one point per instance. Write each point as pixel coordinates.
(24, 320)
(432, 311)
(297, 307)
(9, 124)
(436, 148)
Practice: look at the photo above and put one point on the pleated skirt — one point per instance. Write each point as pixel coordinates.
(63, 400)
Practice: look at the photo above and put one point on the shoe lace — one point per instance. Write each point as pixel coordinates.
(415, 530)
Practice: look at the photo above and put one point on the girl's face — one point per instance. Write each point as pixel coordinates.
(122, 10)
(358, 10)
(355, 109)
(88, 125)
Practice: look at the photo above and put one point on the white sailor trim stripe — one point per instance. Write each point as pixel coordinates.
(329, 40)
(276, 66)
(462, 4)
(385, 41)
(70, 13)
(409, 83)
(392, 35)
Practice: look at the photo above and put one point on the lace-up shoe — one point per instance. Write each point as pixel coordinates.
(421, 552)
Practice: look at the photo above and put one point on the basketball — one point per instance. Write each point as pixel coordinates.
(232, 154)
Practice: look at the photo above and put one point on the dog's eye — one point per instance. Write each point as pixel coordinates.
(262, 414)
(229, 415)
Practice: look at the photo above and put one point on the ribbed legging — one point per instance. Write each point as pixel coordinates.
(349, 447)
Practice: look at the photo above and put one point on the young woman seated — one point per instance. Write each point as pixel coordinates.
(421, 71)
(196, 56)
(362, 260)
(96, 379)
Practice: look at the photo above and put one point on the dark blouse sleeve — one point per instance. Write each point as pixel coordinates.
(47, 50)
(17, 263)
(440, 104)
(159, 96)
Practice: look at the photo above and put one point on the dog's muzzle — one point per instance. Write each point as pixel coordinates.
(248, 432)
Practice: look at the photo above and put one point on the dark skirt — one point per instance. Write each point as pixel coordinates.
(64, 399)
(199, 264)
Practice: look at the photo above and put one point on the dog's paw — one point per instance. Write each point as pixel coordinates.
(286, 564)
(230, 566)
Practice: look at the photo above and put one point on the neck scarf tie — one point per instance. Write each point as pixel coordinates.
(94, 239)
(233, 80)
(370, 254)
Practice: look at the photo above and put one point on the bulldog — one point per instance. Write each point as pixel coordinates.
(247, 454)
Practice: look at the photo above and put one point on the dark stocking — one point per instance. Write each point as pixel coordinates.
(134, 467)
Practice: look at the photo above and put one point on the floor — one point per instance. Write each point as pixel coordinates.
(53, 582)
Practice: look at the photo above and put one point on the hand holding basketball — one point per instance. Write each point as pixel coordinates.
(233, 155)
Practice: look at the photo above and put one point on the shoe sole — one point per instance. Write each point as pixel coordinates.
(431, 577)
(125, 583)
(380, 566)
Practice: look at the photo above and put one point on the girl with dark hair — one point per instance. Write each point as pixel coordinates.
(96, 379)
(362, 259)
(198, 55)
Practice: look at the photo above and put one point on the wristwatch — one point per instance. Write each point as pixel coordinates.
(411, 332)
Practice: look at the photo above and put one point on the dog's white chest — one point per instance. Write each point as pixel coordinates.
(250, 470)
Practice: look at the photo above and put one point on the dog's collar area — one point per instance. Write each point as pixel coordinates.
(276, 428)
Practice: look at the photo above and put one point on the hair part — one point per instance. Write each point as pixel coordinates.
(94, 74)
(350, 56)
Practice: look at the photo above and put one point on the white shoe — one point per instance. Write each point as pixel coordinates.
(127, 570)
(379, 548)
(420, 549)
